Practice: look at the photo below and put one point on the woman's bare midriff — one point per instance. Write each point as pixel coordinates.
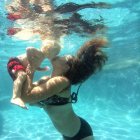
(63, 117)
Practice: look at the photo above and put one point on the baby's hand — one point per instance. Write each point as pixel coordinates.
(47, 68)
(29, 69)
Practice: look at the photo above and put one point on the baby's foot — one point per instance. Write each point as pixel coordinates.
(18, 102)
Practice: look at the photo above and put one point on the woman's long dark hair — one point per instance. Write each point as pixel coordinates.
(88, 60)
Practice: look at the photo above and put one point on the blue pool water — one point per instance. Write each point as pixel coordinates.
(109, 100)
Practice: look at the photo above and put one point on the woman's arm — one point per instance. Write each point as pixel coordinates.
(53, 86)
(43, 80)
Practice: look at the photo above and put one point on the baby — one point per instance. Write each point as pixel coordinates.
(25, 65)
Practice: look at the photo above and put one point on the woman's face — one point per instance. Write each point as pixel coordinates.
(60, 64)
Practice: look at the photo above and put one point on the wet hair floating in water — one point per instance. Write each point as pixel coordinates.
(89, 59)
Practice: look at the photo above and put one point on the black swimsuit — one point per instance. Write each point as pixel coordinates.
(57, 100)
(85, 129)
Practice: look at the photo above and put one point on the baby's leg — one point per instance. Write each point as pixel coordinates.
(17, 87)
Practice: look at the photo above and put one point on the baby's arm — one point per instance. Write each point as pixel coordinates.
(47, 68)
(34, 56)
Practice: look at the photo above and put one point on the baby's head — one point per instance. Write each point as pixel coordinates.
(50, 49)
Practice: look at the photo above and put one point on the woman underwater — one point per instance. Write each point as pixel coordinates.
(53, 93)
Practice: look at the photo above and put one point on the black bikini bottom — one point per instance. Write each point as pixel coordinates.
(85, 131)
